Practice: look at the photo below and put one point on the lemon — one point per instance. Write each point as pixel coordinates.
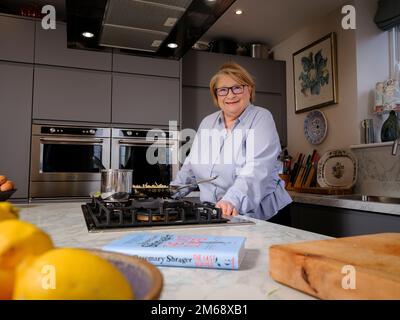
(18, 240)
(70, 274)
(8, 211)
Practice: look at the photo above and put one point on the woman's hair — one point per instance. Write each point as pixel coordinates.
(237, 72)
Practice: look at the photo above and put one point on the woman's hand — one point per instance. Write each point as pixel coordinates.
(227, 208)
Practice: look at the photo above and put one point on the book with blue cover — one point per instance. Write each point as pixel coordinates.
(196, 251)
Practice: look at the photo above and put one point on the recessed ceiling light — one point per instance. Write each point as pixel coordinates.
(87, 34)
(172, 45)
(238, 11)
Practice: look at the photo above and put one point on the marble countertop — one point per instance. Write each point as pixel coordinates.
(332, 201)
(66, 225)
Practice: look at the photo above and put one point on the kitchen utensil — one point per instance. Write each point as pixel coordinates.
(164, 192)
(337, 169)
(368, 127)
(145, 279)
(363, 267)
(193, 184)
(259, 50)
(116, 180)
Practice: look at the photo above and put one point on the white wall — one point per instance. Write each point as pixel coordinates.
(362, 61)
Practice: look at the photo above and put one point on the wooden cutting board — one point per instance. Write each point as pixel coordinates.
(362, 267)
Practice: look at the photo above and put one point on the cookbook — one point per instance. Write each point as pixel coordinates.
(196, 251)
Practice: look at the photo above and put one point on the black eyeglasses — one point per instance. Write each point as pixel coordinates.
(224, 91)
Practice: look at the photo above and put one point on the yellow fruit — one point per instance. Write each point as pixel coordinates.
(18, 240)
(66, 274)
(8, 211)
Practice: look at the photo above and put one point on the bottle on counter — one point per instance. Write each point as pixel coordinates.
(390, 128)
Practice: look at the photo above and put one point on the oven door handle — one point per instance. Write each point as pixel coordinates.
(64, 140)
(130, 142)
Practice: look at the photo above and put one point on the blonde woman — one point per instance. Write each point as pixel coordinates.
(240, 145)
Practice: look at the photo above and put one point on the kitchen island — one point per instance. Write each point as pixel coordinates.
(65, 223)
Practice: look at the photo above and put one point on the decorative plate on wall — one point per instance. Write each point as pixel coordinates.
(315, 127)
(337, 169)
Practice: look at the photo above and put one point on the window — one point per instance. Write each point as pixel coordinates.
(395, 53)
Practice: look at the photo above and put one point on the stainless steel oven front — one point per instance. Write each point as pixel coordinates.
(151, 154)
(66, 160)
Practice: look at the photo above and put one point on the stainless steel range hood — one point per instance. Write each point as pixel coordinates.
(140, 25)
(143, 27)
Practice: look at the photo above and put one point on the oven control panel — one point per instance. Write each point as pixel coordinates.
(70, 131)
(146, 133)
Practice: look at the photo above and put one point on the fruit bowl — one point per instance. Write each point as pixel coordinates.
(145, 279)
(5, 195)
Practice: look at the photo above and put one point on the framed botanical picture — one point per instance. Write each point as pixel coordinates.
(315, 75)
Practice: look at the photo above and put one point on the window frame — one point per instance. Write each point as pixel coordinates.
(394, 36)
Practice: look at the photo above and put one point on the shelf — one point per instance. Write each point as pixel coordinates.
(372, 145)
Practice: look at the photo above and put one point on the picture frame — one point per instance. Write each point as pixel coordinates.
(315, 74)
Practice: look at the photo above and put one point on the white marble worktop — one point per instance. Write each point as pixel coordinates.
(66, 225)
(333, 201)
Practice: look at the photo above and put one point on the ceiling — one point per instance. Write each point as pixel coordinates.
(269, 21)
(266, 21)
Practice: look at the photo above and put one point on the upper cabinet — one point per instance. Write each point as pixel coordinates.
(145, 100)
(51, 48)
(198, 67)
(71, 94)
(147, 66)
(16, 39)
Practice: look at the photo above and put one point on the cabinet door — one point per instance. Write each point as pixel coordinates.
(199, 67)
(269, 75)
(146, 66)
(15, 129)
(196, 105)
(16, 39)
(72, 94)
(276, 104)
(145, 100)
(51, 48)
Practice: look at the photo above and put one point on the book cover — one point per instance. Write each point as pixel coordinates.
(196, 251)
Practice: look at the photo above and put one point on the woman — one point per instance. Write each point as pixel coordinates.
(240, 145)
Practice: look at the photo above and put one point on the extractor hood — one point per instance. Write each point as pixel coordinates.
(163, 28)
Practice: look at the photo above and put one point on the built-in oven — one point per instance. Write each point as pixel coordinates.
(151, 154)
(66, 160)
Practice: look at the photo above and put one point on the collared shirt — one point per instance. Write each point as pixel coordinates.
(244, 159)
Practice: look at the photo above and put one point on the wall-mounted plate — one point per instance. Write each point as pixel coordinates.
(315, 127)
(337, 169)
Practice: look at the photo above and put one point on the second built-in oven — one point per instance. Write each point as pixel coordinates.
(66, 160)
(151, 154)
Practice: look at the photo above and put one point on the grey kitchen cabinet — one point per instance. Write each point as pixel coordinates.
(145, 100)
(198, 67)
(339, 222)
(51, 48)
(15, 129)
(16, 39)
(276, 104)
(72, 94)
(269, 75)
(145, 65)
(198, 104)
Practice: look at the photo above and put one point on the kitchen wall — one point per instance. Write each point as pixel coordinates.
(363, 60)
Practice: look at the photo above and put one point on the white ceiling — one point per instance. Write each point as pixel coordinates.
(269, 21)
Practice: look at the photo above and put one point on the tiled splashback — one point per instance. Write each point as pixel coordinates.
(378, 170)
